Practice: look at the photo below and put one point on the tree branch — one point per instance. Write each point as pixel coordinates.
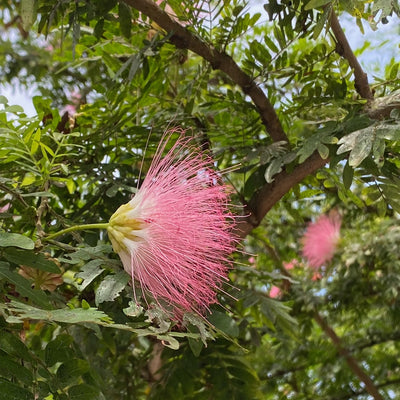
(183, 38)
(343, 351)
(343, 49)
(381, 107)
(351, 361)
(361, 392)
(263, 200)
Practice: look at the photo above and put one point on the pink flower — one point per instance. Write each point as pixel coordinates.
(75, 101)
(70, 109)
(5, 208)
(252, 260)
(316, 276)
(321, 238)
(290, 265)
(174, 236)
(275, 292)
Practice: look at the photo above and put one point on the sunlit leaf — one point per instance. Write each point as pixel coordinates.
(16, 240)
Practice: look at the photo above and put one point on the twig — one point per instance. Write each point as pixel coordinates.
(183, 38)
(343, 49)
(351, 361)
(6, 189)
(361, 392)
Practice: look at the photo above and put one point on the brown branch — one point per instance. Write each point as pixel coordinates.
(363, 391)
(351, 361)
(183, 38)
(343, 351)
(263, 200)
(343, 49)
(381, 107)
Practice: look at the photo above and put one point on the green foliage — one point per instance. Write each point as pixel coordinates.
(109, 83)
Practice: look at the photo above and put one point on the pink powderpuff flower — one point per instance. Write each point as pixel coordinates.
(321, 239)
(275, 292)
(175, 235)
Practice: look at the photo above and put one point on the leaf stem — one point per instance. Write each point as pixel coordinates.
(103, 225)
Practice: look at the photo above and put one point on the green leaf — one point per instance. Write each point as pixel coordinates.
(11, 369)
(13, 346)
(323, 151)
(321, 22)
(385, 5)
(66, 315)
(125, 19)
(111, 286)
(278, 313)
(23, 286)
(273, 168)
(359, 143)
(388, 132)
(360, 151)
(244, 374)
(224, 323)
(89, 272)
(10, 391)
(59, 350)
(196, 345)
(193, 321)
(16, 240)
(87, 253)
(271, 44)
(314, 143)
(133, 309)
(348, 173)
(169, 341)
(315, 4)
(71, 370)
(28, 13)
(14, 109)
(381, 207)
(99, 28)
(31, 259)
(83, 392)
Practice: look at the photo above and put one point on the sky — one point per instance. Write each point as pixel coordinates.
(381, 49)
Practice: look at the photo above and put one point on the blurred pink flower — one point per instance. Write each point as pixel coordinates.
(252, 260)
(321, 238)
(275, 292)
(174, 236)
(316, 276)
(75, 101)
(290, 265)
(5, 208)
(70, 109)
